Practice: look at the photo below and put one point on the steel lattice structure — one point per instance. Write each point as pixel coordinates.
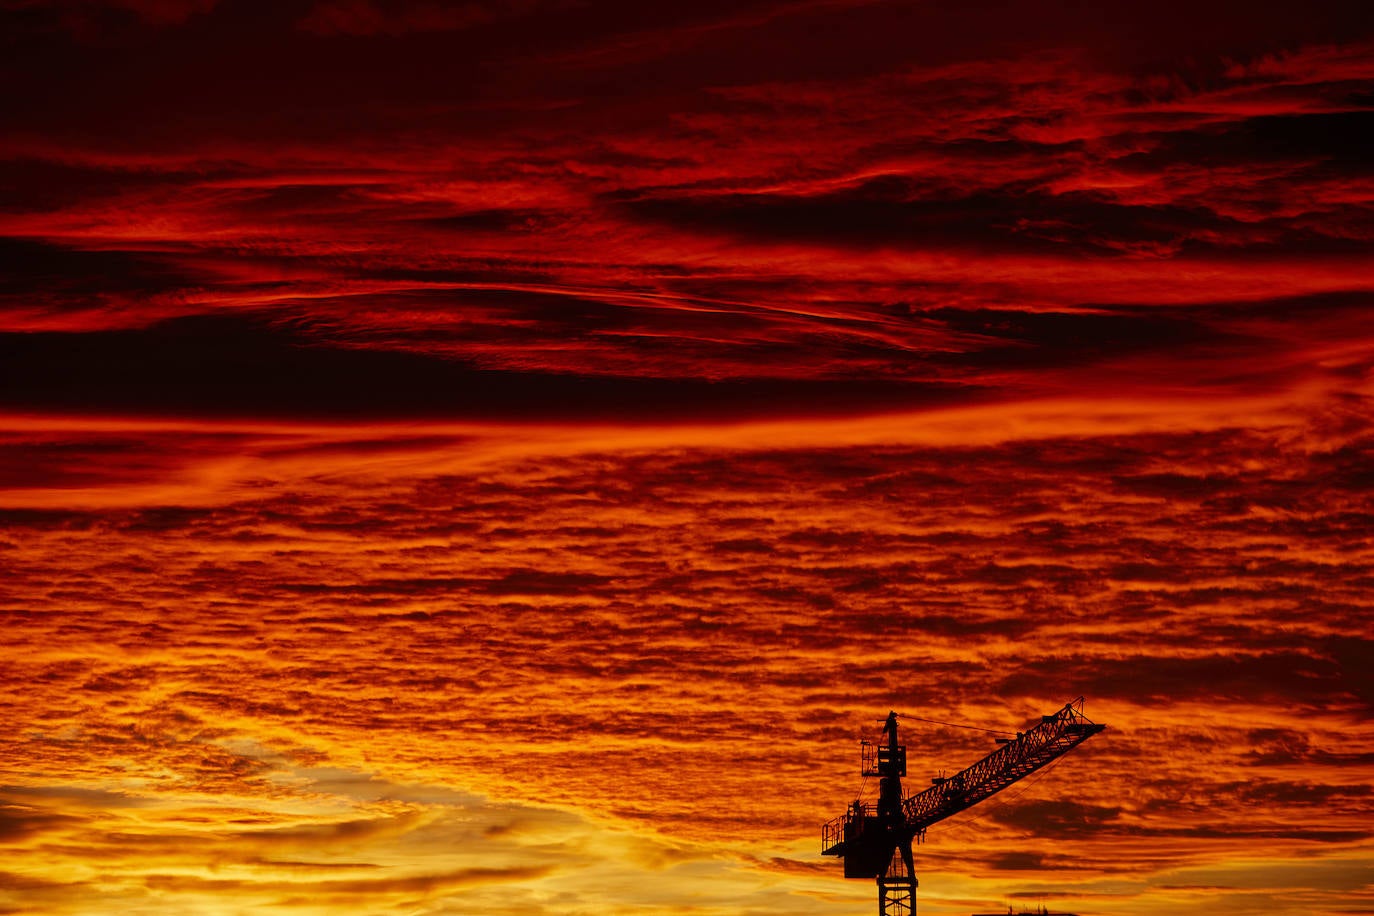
(875, 840)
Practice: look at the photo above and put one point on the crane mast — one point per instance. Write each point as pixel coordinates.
(875, 840)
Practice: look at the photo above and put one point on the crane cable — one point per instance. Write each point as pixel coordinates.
(977, 728)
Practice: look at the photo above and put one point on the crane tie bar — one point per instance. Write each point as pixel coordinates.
(977, 728)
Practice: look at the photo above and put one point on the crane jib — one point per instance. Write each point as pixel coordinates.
(1054, 736)
(875, 840)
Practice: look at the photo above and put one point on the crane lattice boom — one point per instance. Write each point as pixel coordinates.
(1054, 737)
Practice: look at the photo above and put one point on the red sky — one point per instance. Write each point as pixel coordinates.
(500, 457)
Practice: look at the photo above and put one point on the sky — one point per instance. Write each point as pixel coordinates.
(502, 457)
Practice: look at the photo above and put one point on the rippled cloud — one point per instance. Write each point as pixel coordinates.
(557, 626)
(502, 456)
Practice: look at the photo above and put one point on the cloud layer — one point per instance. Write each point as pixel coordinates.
(686, 640)
(499, 457)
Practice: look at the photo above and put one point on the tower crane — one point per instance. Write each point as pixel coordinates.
(875, 840)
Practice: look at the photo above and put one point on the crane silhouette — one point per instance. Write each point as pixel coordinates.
(875, 840)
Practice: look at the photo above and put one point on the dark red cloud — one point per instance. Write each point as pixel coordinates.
(420, 415)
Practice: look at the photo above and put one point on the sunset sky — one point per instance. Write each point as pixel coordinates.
(501, 457)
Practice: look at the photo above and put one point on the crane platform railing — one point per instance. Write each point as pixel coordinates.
(832, 831)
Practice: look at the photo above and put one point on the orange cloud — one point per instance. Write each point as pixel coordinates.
(498, 458)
